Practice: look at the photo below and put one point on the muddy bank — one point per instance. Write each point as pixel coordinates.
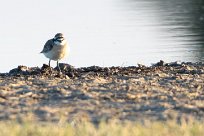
(159, 92)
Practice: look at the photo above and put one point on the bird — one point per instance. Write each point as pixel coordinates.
(56, 49)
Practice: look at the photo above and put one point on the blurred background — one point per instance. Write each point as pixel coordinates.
(102, 32)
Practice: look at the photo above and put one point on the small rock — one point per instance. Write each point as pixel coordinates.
(20, 70)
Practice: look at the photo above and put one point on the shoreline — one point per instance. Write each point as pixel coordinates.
(160, 92)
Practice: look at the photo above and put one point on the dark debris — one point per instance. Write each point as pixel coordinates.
(71, 72)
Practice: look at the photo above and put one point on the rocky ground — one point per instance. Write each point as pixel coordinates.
(158, 92)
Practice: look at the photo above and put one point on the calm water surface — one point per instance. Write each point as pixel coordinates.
(102, 32)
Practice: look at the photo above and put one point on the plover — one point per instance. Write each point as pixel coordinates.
(56, 48)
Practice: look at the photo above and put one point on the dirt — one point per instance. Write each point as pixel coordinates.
(159, 92)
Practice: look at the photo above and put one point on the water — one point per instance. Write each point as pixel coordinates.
(102, 32)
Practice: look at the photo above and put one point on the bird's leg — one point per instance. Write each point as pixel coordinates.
(49, 63)
(58, 66)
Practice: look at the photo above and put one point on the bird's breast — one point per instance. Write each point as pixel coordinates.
(58, 52)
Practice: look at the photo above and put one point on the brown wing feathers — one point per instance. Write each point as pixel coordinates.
(48, 46)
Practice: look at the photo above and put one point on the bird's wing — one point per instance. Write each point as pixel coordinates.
(48, 46)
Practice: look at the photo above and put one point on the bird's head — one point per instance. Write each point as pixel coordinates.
(59, 37)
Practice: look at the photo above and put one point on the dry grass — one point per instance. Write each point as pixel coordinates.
(113, 128)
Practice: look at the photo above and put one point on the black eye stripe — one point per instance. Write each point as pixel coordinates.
(59, 38)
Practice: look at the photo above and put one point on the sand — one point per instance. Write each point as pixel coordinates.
(159, 92)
